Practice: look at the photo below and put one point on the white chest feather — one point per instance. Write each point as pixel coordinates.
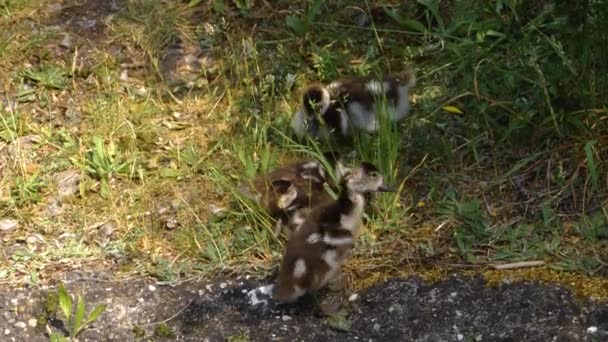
(352, 220)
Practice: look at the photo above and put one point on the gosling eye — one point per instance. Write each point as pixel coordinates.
(374, 174)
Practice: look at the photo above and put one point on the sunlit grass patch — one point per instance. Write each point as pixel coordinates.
(501, 159)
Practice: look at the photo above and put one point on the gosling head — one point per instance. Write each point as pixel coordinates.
(315, 103)
(366, 179)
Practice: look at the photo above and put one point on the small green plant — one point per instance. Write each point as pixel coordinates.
(472, 227)
(12, 126)
(242, 336)
(138, 331)
(77, 321)
(163, 330)
(27, 190)
(593, 228)
(302, 24)
(48, 76)
(102, 162)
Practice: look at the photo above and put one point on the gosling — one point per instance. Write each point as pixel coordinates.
(324, 237)
(352, 104)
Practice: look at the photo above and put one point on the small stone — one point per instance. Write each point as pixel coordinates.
(453, 294)
(107, 228)
(209, 288)
(223, 285)
(141, 91)
(66, 42)
(460, 337)
(217, 210)
(286, 318)
(54, 208)
(20, 325)
(7, 315)
(244, 291)
(353, 297)
(8, 224)
(171, 223)
(152, 288)
(376, 327)
(72, 113)
(32, 239)
(7, 332)
(190, 59)
(124, 75)
(32, 322)
(591, 330)
(15, 301)
(479, 337)
(67, 182)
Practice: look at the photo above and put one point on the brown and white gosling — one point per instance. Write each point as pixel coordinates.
(352, 104)
(287, 189)
(324, 239)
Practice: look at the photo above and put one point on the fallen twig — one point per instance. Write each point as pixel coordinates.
(170, 318)
(520, 264)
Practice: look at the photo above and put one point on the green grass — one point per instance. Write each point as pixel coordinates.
(501, 160)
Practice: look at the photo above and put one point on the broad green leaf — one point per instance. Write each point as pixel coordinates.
(99, 309)
(78, 317)
(452, 109)
(410, 24)
(296, 24)
(56, 337)
(591, 167)
(65, 301)
(168, 172)
(104, 188)
(218, 5)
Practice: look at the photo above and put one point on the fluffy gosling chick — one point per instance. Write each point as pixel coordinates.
(351, 104)
(300, 185)
(324, 239)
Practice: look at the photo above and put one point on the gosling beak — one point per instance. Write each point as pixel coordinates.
(386, 188)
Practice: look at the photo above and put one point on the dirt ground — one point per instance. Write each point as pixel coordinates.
(456, 309)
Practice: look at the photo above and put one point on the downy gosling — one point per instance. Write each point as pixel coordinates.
(352, 104)
(324, 238)
(287, 189)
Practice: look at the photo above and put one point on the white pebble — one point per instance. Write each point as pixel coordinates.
(460, 337)
(223, 285)
(152, 288)
(209, 289)
(15, 301)
(591, 330)
(20, 325)
(7, 331)
(376, 327)
(286, 318)
(141, 300)
(244, 291)
(353, 297)
(32, 322)
(453, 294)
